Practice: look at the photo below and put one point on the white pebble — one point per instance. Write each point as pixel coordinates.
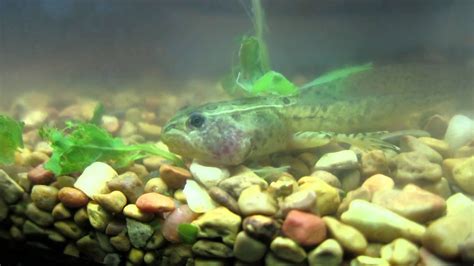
(197, 197)
(460, 131)
(209, 176)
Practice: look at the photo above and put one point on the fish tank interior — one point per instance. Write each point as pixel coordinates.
(239, 132)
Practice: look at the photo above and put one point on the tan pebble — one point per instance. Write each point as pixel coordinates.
(132, 211)
(72, 197)
(438, 145)
(112, 202)
(175, 177)
(157, 185)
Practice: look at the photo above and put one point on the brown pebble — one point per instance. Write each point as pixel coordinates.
(155, 202)
(72, 197)
(224, 198)
(40, 176)
(175, 177)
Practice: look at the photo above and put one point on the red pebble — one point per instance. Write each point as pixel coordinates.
(304, 228)
(40, 176)
(155, 202)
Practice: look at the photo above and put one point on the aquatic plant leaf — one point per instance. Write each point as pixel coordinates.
(98, 113)
(273, 83)
(11, 138)
(80, 144)
(188, 233)
(337, 75)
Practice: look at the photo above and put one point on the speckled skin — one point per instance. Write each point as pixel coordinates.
(386, 98)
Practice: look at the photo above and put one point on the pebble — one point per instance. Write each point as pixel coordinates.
(132, 211)
(44, 197)
(219, 222)
(182, 214)
(248, 249)
(31, 229)
(140, 170)
(64, 181)
(138, 232)
(401, 252)
(350, 179)
(242, 179)
(177, 254)
(60, 212)
(115, 227)
(412, 202)
(223, 198)
(154, 203)
(110, 123)
(379, 224)
(72, 197)
(463, 175)
(328, 198)
(113, 202)
(148, 130)
(308, 158)
(129, 184)
(414, 167)
(465, 151)
(288, 249)
(436, 126)
(412, 144)
(81, 218)
(366, 261)
(327, 177)
(445, 235)
(341, 160)
(98, 216)
(69, 229)
(94, 178)
(304, 228)
(40, 176)
(55, 236)
(121, 243)
(304, 200)
(211, 249)
(283, 186)
(208, 176)
(373, 162)
(349, 238)
(38, 216)
(378, 182)
(10, 191)
(448, 165)
(135, 256)
(440, 188)
(261, 227)
(197, 197)
(460, 131)
(157, 185)
(128, 129)
(255, 201)
(153, 163)
(23, 181)
(156, 241)
(35, 158)
(3, 210)
(173, 176)
(16, 233)
(440, 146)
(466, 249)
(328, 253)
(71, 250)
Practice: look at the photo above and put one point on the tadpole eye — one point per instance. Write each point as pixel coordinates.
(196, 120)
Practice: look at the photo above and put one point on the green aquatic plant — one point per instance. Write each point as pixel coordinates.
(81, 144)
(10, 138)
(337, 75)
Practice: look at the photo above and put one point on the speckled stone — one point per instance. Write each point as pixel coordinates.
(211, 249)
(138, 232)
(72, 197)
(287, 249)
(248, 249)
(44, 197)
(219, 222)
(129, 184)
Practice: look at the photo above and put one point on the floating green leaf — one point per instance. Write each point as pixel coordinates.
(81, 144)
(10, 138)
(274, 83)
(187, 233)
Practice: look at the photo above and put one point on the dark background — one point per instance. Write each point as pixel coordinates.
(119, 43)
